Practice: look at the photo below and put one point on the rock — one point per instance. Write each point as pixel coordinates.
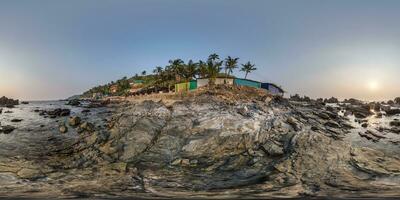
(204, 144)
(8, 111)
(368, 136)
(31, 174)
(272, 149)
(395, 130)
(374, 162)
(74, 102)
(375, 106)
(397, 100)
(74, 121)
(332, 124)
(364, 125)
(293, 123)
(87, 126)
(347, 113)
(58, 112)
(244, 111)
(63, 129)
(323, 115)
(297, 97)
(24, 102)
(395, 123)
(182, 162)
(360, 115)
(16, 120)
(7, 129)
(385, 107)
(394, 111)
(332, 100)
(85, 111)
(9, 103)
(353, 101)
(375, 134)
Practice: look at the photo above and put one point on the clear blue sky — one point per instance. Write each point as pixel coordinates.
(344, 48)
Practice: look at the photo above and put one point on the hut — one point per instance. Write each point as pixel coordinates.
(201, 82)
(247, 82)
(186, 86)
(273, 88)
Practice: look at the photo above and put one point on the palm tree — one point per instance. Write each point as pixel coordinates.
(202, 69)
(157, 70)
(248, 68)
(176, 67)
(214, 59)
(213, 56)
(191, 70)
(213, 67)
(144, 73)
(230, 65)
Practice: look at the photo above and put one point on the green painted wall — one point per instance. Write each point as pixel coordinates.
(245, 82)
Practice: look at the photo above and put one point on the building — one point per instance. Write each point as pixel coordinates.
(247, 82)
(183, 87)
(273, 88)
(201, 82)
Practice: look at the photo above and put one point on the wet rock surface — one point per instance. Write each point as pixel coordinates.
(207, 146)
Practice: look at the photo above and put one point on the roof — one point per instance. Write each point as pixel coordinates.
(247, 80)
(275, 85)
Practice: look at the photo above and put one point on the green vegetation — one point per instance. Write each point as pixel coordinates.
(164, 79)
(248, 68)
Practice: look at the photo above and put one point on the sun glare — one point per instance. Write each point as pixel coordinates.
(373, 85)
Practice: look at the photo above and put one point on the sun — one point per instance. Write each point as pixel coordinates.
(373, 85)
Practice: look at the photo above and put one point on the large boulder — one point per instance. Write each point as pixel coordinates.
(393, 111)
(7, 129)
(6, 102)
(397, 100)
(74, 102)
(360, 111)
(74, 121)
(331, 100)
(395, 123)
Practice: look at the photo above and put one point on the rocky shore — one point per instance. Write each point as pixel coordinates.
(222, 143)
(6, 102)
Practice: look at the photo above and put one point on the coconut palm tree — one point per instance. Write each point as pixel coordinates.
(144, 73)
(191, 70)
(248, 68)
(157, 70)
(176, 67)
(213, 67)
(214, 59)
(213, 56)
(202, 69)
(230, 65)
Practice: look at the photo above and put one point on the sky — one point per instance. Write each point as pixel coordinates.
(343, 48)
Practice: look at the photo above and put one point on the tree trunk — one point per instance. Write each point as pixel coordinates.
(245, 77)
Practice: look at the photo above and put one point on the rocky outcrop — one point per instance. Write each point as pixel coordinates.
(6, 102)
(74, 102)
(58, 112)
(331, 100)
(7, 129)
(209, 144)
(393, 111)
